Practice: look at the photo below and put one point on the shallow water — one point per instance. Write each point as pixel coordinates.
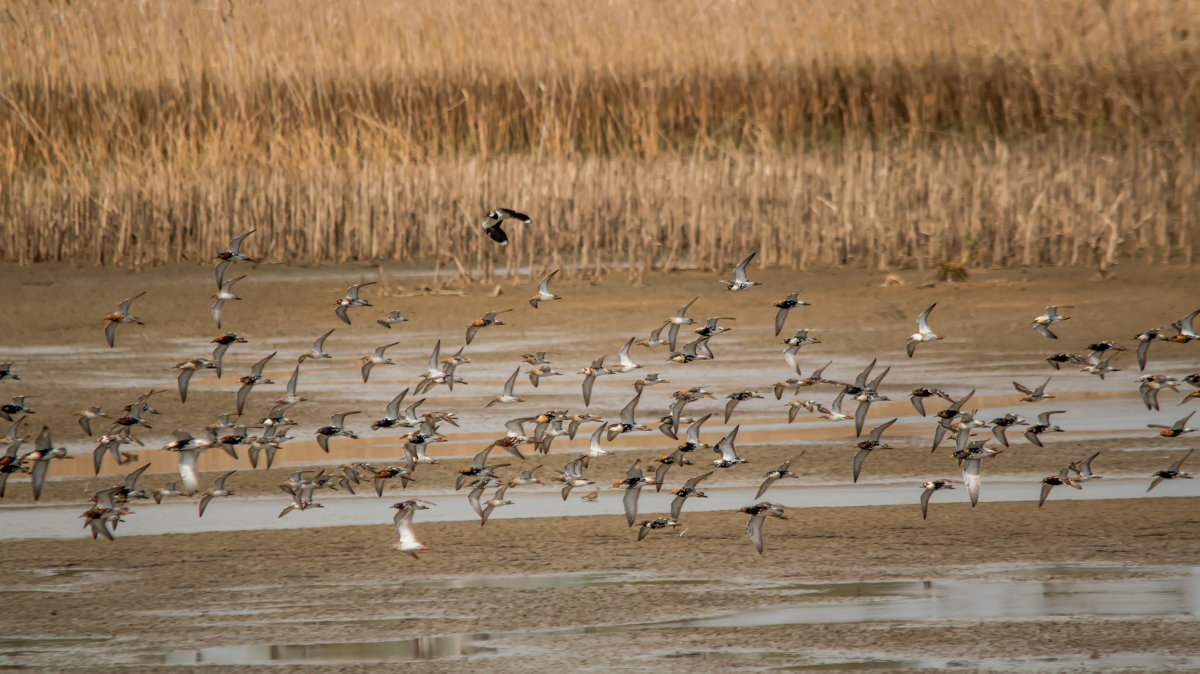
(243, 514)
(1057, 591)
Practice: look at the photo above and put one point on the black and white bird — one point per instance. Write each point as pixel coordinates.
(492, 223)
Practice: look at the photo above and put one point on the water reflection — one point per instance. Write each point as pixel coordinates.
(913, 602)
(244, 514)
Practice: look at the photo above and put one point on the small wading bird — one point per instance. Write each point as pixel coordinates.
(759, 513)
(351, 299)
(230, 255)
(403, 520)
(741, 281)
(494, 219)
(121, 315)
(1049, 317)
(930, 487)
(1173, 472)
(923, 333)
(544, 294)
(785, 305)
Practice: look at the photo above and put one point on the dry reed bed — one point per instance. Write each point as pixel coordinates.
(1074, 200)
(642, 133)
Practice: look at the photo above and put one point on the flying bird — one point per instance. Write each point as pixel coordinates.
(492, 223)
(923, 333)
(121, 315)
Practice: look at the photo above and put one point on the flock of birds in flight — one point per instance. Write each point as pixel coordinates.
(536, 433)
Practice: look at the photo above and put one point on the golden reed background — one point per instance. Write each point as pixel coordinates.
(653, 134)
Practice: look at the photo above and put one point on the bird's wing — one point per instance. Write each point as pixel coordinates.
(925, 503)
(110, 333)
(971, 475)
(185, 376)
(341, 313)
(1044, 331)
(780, 319)
(877, 432)
(631, 504)
(762, 489)
(859, 460)
(923, 320)
(739, 272)
(755, 529)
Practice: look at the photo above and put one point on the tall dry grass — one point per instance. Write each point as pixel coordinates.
(639, 133)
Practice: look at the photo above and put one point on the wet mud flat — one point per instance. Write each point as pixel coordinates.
(1096, 585)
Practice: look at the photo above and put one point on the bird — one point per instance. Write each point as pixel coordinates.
(186, 369)
(1035, 395)
(655, 338)
(233, 253)
(930, 487)
(923, 333)
(492, 223)
(1176, 429)
(544, 294)
(801, 338)
(1042, 426)
(6, 372)
(759, 513)
(1083, 469)
(626, 363)
(872, 443)
(43, 452)
(633, 482)
(1172, 472)
(507, 397)
(223, 295)
(628, 423)
(377, 358)
(572, 475)
(538, 372)
(1150, 386)
(403, 520)
(217, 490)
(318, 350)
(694, 350)
(492, 503)
(1049, 317)
(1051, 481)
(972, 467)
(918, 395)
(692, 441)
(290, 396)
(351, 299)
(771, 477)
(170, 489)
(1145, 339)
(393, 317)
(488, 320)
(594, 449)
(596, 369)
(675, 458)
(653, 525)
(728, 453)
(392, 414)
(223, 342)
(679, 319)
(735, 398)
(785, 305)
(121, 315)
(251, 380)
(1185, 328)
(336, 427)
(711, 328)
(688, 490)
(740, 280)
(1000, 424)
(85, 418)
